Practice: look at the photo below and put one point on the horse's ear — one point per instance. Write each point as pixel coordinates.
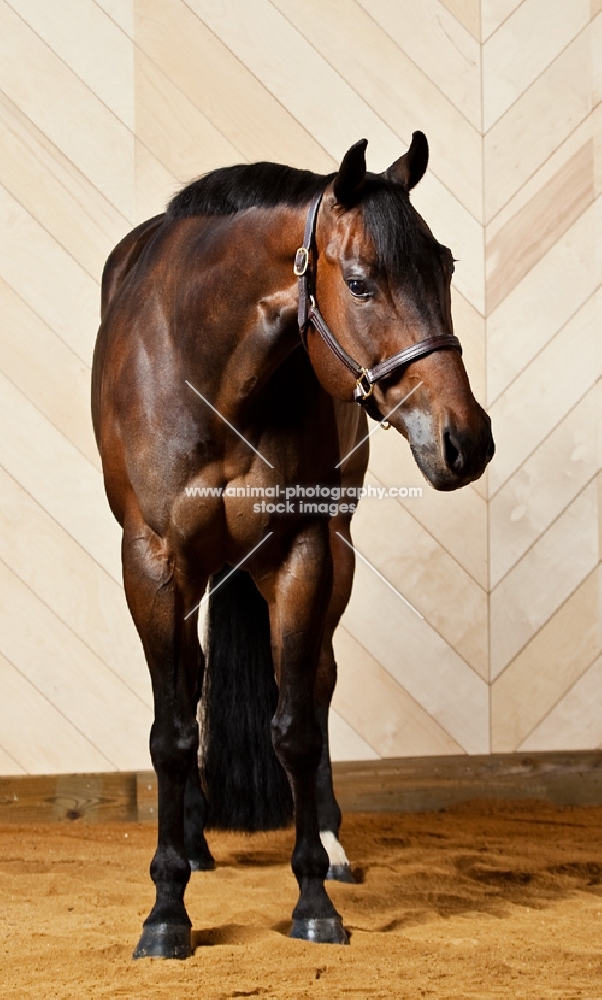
(411, 167)
(352, 172)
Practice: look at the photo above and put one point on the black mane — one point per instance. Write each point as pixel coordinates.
(404, 245)
(250, 185)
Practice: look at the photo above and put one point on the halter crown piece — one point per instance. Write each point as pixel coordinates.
(309, 312)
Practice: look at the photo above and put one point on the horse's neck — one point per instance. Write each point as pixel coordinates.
(263, 332)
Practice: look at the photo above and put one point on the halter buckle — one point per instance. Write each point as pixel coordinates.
(361, 392)
(301, 262)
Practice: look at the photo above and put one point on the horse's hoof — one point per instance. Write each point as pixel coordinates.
(340, 873)
(322, 930)
(164, 941)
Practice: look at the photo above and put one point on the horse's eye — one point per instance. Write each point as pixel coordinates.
(358, 288)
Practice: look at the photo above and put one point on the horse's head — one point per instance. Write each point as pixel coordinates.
(382, 285)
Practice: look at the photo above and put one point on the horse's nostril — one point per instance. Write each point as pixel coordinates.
(454, 458)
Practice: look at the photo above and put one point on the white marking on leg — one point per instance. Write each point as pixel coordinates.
(334, 849)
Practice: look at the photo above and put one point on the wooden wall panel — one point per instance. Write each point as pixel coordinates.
(538, 492)
(544, 303)
(513, 152)
(45, 89)
(398, 90)
(82, 595)
(548, 666)
(39, 364)
(121, 12)
(55, 193)
(36, 734)
(418, 658)
(494, 13)
(468, 13)
(445, 50)
(105, 63)
(544, 367)
(519, 51)
(52, 283)
(171, 127)
(107, 107)
(65, 484)
(221, 87)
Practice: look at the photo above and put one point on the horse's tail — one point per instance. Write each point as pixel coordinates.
(245, 784)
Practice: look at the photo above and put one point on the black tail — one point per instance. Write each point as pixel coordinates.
(245, 784)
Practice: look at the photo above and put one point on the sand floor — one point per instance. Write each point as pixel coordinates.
(478, 901)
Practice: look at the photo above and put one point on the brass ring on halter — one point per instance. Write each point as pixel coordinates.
(301, 262)
(366, 393)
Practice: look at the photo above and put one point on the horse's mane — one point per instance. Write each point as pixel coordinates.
(228, 190)
(400, 237)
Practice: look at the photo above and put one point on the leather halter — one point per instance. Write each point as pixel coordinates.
(309, 312)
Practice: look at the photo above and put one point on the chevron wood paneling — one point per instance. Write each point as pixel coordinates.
(29, 249)
(104, 64)
(512, 153)
(346, 742)
(396, 88)
(538, 492)
(538, 226)
(40, 365)
(574, 722)
(519, 51)
(219, 85)
(392, 722)
(437, 41)
(179, 135)
(468, 13)
(443, 516)
(544, 367)
(60, 104)
(62, 199)
(549, 665)
(82, 594)
(550, 570)
(545, 302)
(418, 658)
(107, 107)
(493, 15)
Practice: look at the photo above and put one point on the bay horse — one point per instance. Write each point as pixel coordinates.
(239, 331)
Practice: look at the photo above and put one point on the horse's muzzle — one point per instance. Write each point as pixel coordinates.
(462, 455)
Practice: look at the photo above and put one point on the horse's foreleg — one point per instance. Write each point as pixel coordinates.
(195, 817)
(297, 615)
(159, 599)
(329, 813)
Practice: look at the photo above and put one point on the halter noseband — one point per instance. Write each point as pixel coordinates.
(309, 312)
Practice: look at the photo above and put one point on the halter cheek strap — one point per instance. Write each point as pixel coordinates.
(309, 312)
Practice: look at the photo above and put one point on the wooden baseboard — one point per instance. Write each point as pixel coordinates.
(93, 798)
(425, 784)
(412, 784)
